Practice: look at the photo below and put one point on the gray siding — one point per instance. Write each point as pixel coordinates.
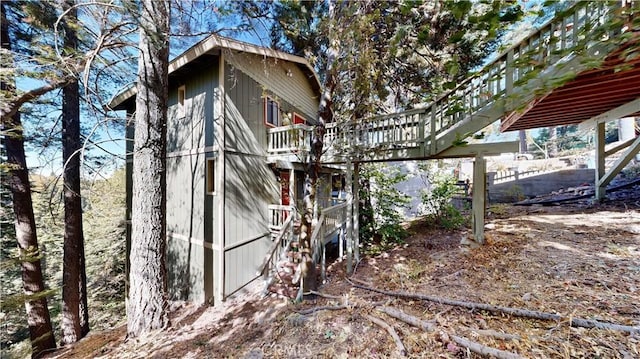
(190, 212)
(282, 78)
(245, 131)
(250, 185)
(242, 263)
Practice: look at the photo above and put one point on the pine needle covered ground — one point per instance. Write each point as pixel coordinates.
(578, 261)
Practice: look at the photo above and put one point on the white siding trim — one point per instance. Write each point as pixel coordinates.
(193, 151)
(192, 240)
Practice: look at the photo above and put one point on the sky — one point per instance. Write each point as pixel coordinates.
(259, 36)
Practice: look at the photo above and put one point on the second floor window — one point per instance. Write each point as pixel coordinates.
(271, 112)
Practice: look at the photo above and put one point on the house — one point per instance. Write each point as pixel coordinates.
(237, 136)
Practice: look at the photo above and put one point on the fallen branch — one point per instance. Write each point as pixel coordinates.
(575, 322)
(391, 331)
(428, 326)
(317, 309)
(483, 349)
(407, 318)
(494, 334)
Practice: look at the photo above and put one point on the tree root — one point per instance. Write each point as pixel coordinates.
(575, 322)
(391, 331)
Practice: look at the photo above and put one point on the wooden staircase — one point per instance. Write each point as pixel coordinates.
(577, 39)
(281, 266)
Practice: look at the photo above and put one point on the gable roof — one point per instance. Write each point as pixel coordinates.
(211, 45)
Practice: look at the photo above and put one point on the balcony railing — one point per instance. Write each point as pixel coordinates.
(503, 85)
(289, 139)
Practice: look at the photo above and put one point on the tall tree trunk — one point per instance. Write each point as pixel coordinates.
(522, 134)
(325, 115)
(38, 318)
(72, 276)
(147, 306)
(552, 143)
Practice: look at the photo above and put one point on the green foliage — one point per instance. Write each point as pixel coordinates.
(567, 138)
(104, 209)
(381, 204)
(515, 193)
(436, 200)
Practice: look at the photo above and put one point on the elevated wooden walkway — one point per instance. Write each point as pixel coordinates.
(583, 66)
(590, 51)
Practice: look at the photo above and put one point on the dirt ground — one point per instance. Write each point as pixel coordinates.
(576, 260)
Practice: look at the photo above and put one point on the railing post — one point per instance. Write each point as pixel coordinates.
(509, 78)
(432, 134)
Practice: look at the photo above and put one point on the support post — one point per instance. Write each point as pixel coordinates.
(349, 189)
(478, 198)
(356, 211)
(601, 190)
(292, 187)
(218, 254)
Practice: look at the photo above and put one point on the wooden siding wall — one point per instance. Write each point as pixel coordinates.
(250, 185)
(283, 79)
(190, 210)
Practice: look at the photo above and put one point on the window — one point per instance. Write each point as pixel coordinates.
(181, 96)
(211, 176)
(271, 112)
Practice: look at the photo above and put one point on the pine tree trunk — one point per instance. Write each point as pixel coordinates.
(73, 231)
(522, 135)
(325, 115)
(147, 306)
(70, 322)
(38, 318)
(552, 148)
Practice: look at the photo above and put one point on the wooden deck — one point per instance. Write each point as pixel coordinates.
(584, 62)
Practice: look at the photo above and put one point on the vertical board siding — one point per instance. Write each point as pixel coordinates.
(245, 131)
(250, 185)
(241, 264)
(284, 79)
(188, 214)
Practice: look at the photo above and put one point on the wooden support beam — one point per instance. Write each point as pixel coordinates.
(618, 165)
(600, 157)
(479, 197)
(613, 114)
(219, 199)
(356, 211)
(619, 147)
(487, 149)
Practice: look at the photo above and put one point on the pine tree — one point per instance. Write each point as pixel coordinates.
(38, 317)
(377, 57)
(75, 322)
(147, 306)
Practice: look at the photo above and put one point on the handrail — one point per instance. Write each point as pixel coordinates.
(317, 240)
(481, 98)
(277, 243)
(277, 214)
(411, 128)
